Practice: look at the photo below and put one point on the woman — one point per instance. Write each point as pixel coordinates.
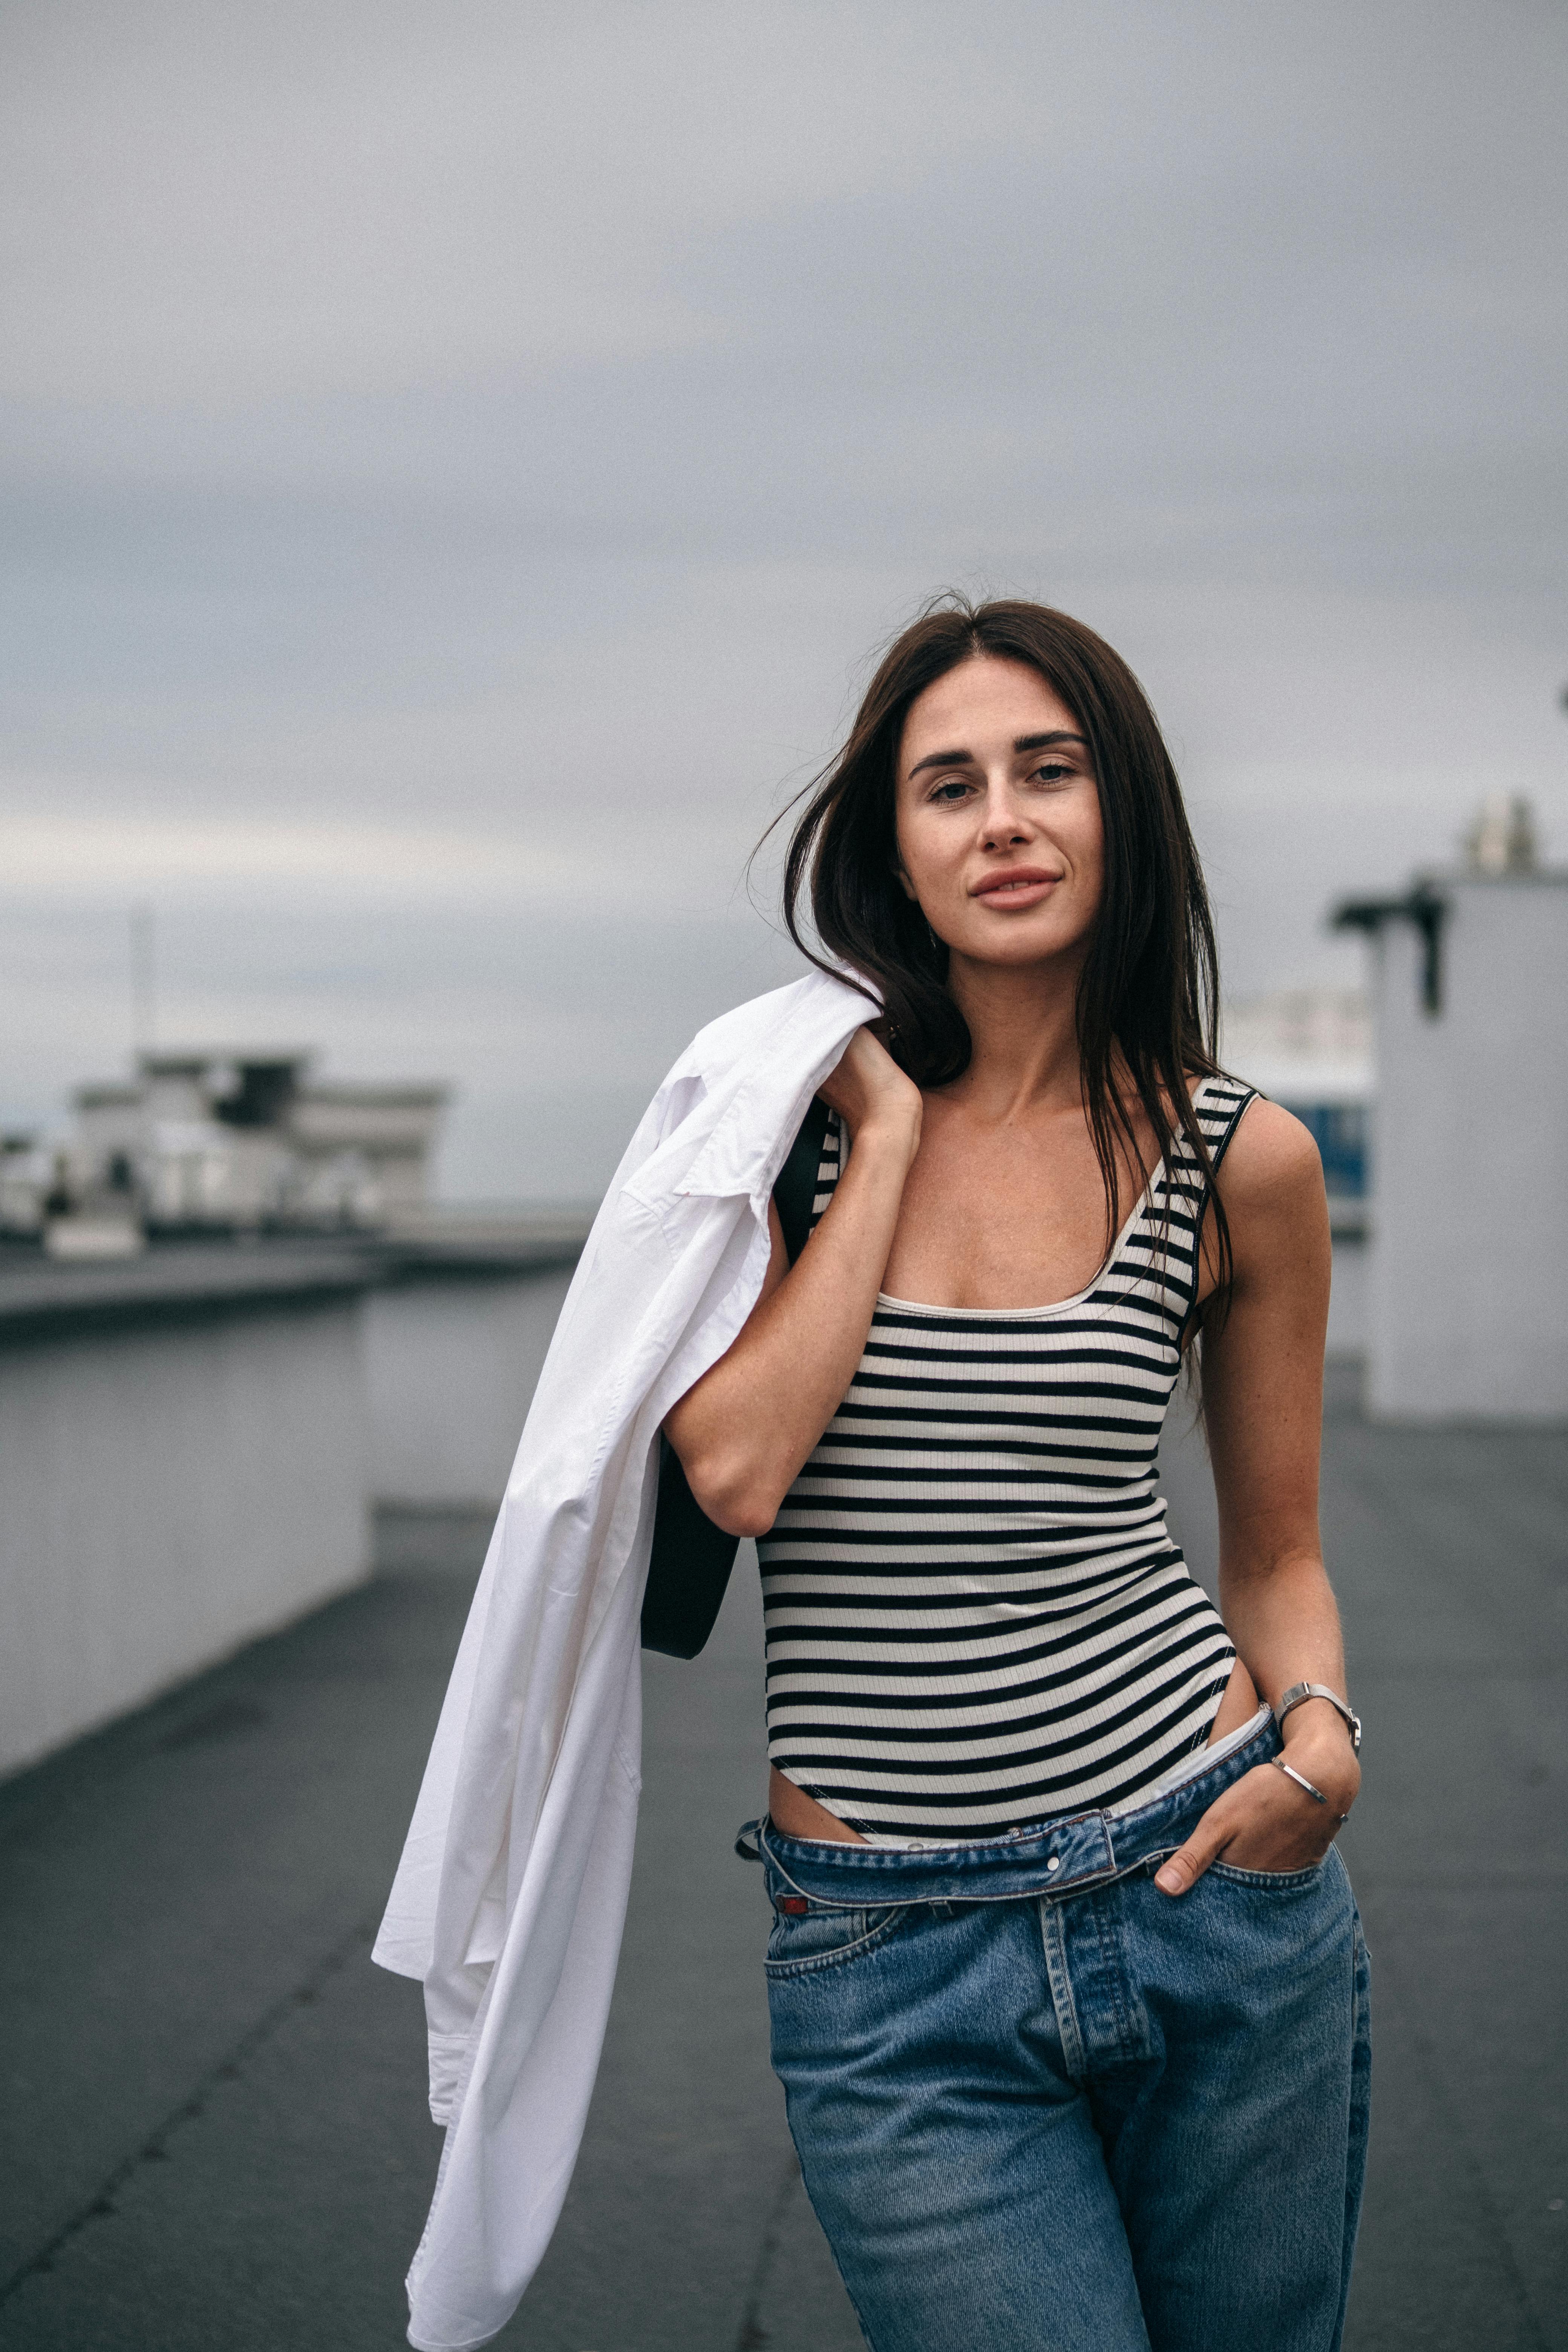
(1068, 1989)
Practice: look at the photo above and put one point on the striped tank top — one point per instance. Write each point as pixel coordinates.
(976, 1615)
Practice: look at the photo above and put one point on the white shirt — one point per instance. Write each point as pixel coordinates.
(511, 1892)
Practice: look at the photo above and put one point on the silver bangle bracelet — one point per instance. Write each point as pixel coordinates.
(1300, 1778)
(1302, 1783)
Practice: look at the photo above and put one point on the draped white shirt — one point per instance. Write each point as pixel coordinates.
(510, 1895)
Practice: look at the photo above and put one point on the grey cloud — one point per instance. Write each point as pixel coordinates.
(530, 421)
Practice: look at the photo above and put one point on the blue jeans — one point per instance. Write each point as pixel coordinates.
(1038, 2103)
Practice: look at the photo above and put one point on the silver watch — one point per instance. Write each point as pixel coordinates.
(1299, 1691)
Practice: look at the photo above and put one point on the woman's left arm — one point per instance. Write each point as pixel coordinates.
(1263, 1405)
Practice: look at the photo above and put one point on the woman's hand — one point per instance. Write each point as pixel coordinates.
(1263, 1821)
(868, 1090)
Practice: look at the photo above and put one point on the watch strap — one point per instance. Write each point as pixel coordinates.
(1298, 1692)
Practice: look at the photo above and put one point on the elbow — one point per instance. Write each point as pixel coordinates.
(742, 1509)
(745, 1516)
(733, 1496)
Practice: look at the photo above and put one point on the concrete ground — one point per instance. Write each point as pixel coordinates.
(213, 2135)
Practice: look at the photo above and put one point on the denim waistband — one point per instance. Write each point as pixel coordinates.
(1050, 1857)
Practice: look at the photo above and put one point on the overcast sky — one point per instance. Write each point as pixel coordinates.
(458, 459)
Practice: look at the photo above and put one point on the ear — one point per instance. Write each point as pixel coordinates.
(906, 885)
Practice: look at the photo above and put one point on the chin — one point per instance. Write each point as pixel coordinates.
(1021, 943)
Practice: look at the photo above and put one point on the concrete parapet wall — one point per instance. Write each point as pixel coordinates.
(451, 1368)
(1348, 1296)
(191, 1444)
(169, 1491)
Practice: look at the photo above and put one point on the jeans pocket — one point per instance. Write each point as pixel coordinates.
(822, 1936)
(1277, 1882)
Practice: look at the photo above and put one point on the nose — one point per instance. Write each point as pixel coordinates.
(1002, 827)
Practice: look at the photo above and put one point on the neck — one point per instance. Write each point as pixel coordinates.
(1024, 1027)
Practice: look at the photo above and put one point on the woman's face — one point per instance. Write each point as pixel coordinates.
(999, 830)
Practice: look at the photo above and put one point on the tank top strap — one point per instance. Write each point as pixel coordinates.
(1178, 1197)
(1219, 1103)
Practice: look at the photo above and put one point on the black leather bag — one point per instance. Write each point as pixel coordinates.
(691, 1559)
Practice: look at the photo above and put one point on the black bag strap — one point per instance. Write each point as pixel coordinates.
(795, 1193)
(688, 1567)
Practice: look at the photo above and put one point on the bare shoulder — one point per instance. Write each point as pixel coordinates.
(1273, 1161)
(1276, 1206)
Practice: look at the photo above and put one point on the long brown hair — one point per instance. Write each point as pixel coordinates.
(1148, 991)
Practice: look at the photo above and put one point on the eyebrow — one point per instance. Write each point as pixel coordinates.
(1022, 743)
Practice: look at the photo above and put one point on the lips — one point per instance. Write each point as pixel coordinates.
(1015, 885)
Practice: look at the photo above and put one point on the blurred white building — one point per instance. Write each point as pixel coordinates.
(233, 1141)
(1311, 1049)
(1469, 1298)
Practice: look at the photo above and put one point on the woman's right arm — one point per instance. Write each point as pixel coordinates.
(745, 1429)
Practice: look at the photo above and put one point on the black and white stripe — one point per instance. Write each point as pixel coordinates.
(976, 1615)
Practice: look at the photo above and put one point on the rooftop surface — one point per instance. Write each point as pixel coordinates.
(213, 2134)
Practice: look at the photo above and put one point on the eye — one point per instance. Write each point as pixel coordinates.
(951, 789)
(1052, 772)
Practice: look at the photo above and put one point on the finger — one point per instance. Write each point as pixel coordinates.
(1187, 1865)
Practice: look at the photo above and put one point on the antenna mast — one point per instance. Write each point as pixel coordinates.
(143, 979)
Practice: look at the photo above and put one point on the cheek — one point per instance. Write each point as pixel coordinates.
(1086, 845)
(930, 858)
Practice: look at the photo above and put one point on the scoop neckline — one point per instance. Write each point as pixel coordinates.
(1057, 1306)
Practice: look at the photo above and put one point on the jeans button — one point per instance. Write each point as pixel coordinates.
(1055, 1863)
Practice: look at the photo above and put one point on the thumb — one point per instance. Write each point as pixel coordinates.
(1187, 1865)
